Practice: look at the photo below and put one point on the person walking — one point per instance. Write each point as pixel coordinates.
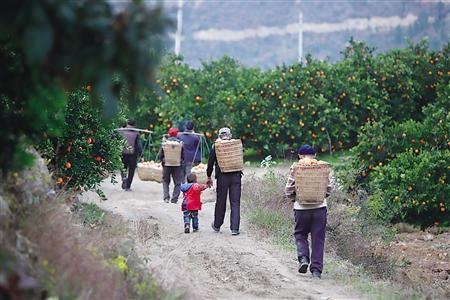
(191, 202)
(191, 142)
(130, 153)
(174, 172)
(309, 219)
(227, 183)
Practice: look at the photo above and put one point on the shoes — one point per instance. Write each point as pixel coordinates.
(214, 228)
(186, 228)
(194, 229)
(127, 190)
(124, 184)
(173, 201)
(166, 200)
(235, 232)
(303, 264)
(316, 274)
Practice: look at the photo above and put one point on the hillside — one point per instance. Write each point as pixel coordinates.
(264, 33)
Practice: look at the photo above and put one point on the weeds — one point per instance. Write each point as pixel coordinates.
(93, 215)
(88, 263)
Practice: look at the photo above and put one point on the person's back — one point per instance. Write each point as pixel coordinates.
(190, 146)
(191, 202)
(192, 192)
(172, 170)
(132, 139)
(130, 153)
(191, 149)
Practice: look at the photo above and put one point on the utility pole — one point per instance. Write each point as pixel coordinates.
(179, 27)
(300, 36)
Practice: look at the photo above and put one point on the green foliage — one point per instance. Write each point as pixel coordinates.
(414, 188)
(276, 224)
(92, 214)
(319, 103)
(87, 150)
(47, 47)
(405, 165)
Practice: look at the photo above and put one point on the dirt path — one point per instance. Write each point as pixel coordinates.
(209, 265)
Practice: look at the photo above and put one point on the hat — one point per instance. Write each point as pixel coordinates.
(173, 132)
(306, 150)
(224, 132)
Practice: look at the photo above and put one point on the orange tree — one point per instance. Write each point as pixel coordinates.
(207, 95)
(87, 149)
(406, 165)
(319, 103)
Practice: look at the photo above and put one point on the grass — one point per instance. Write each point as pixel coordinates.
(359, 280)
(336, 159)
(275, 225)
(96, 261)
(92, 214)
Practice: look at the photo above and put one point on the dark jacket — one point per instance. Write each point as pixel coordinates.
(212, 162)
(191, 149)
(133, 141)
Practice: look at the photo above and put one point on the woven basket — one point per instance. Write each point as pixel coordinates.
(311, 182)
(230, 155)
(172, 153)
(150, 172)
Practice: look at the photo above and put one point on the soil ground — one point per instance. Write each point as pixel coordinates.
(206, 264)
(423, 261)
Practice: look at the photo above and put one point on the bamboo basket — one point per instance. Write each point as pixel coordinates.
(311, 182)
(150, 172)
(172, 153)
(230, 155)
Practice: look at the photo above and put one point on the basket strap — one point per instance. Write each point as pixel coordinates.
(196, 150)
(147, 145)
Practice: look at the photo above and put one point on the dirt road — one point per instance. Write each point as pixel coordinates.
(209, 265)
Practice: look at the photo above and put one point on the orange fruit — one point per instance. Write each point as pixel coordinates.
(59, 180)
(68, 165)
(98, 158)
(410, 188)
(442, 209)
(89, 88)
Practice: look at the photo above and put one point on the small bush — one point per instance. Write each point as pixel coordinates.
(92, 214)
(413, 188)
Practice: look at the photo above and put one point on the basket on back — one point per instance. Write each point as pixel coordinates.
(311, 181)
(172, 153)
(230, 155)
(150, 171)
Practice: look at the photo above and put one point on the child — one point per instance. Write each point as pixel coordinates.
(191, 202)
(309, 219)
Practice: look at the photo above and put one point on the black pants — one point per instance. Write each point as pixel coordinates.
(129, 163)
(228, 183)
(177, 175)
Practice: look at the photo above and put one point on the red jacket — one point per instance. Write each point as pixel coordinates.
(191, 196)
